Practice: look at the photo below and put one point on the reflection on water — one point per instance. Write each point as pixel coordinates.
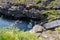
(23, 25)
(5, 22)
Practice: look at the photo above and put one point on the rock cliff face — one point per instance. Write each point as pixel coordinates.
(18, 11)
(13, 10)
(4, 3)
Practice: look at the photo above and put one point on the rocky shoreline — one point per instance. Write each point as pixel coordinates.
(20, 11)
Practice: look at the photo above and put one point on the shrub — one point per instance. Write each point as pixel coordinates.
(52, 3)
(11, 33)
(18, 1)
(58, 29)
(52, 14)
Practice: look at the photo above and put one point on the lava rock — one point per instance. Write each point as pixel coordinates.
(17, 11)
(14, 10)
(34, 14)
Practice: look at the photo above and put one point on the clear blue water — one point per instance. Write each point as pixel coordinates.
(23, 25)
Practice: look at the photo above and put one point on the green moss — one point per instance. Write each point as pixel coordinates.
(52, 14)
(11, 33)
(18, 1)
(58, 30)
(51, 4)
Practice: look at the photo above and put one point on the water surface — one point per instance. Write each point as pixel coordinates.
(23, 25)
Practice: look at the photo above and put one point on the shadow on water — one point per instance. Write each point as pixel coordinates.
(22, 24)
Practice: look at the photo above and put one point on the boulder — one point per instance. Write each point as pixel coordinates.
(37, 29)
(52, 24)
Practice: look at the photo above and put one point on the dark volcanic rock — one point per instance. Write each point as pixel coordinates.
(33, 13)
(14, 10)
(17, 11)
